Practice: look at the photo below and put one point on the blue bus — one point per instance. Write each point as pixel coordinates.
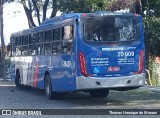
(90, 52)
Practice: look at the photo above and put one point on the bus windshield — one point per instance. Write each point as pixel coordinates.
(111, 28)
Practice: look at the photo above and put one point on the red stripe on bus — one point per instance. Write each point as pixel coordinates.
(35, 76)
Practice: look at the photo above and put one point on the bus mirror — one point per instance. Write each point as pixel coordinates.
(8, 47)
(77, 20)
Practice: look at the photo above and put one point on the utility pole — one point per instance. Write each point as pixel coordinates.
(2, 40)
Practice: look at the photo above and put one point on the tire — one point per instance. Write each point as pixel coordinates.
(99, 92)
(49, 94)
(18, 83)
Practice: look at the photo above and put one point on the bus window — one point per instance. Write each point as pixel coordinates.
(13, 49)
(25, 40)
(40, 37)
(32, 39)
(67, 39)
(68, 32)
(56, 47)
(48, 47)
(25, 50)
(18, 51)
(18, 41)
(111, 29)
(57, 33)
(40, 49)
(32, 50)
(48, 36)
(67, 47)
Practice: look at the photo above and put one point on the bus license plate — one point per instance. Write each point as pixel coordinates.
(113, 68)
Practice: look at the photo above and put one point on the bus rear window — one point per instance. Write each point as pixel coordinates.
(118, 28)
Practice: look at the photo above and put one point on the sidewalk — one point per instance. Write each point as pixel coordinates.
(151, 88)
(6, 82)
(1, 79)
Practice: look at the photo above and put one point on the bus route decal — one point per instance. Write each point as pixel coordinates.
(99, 61)
(112, 49)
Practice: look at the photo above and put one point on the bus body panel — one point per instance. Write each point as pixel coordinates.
(111, 65)
(63, 76)
(110, 82)
(60, 68)
(111, 61)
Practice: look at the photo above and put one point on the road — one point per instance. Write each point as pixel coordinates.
(12, 98)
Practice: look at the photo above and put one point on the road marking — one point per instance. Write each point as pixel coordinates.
(6, 85)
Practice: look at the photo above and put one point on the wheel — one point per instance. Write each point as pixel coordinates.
(99, 92)
(18, 83)
(48, 87)
(49, 94)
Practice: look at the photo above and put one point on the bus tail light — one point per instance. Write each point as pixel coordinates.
(141, 62)
(83, 65)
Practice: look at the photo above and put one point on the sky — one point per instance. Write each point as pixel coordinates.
(14, 19)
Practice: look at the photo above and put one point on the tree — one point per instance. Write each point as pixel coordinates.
(38, 8)
(155, 6)
(2, 37)
(85, 5)
(134, 6)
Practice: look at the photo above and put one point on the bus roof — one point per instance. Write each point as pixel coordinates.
(53, 21)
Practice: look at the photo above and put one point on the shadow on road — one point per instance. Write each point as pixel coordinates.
(130, 99)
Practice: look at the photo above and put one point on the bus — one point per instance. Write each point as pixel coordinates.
(89, 52)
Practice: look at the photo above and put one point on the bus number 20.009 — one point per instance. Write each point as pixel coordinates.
(126, 54)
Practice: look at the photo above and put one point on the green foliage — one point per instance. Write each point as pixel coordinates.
(84, 5)
(155, 5)
(152, 35)
(154, 72)
(134, 6)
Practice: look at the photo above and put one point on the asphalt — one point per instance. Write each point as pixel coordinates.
(38, 101)
(156, 89)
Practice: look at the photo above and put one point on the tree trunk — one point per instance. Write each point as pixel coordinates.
(135, 6)
(54, 8)
(2, 40)
(45, 9)
(37, 11)
(29, 15)
(138, 7)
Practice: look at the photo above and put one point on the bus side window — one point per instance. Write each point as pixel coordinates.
(18, 46)
(40, 49)
(47, 49)
(57, 33)
(13, 49)
(56, 47)
(32, 50)
(48, 36)
(40, 37)
(67, 39)
(68, 32)
(18, 41)
(32, 39)
(18, 51)
(25, 40)
(25, 50)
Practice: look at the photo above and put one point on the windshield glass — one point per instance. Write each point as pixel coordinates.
(118, 28)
